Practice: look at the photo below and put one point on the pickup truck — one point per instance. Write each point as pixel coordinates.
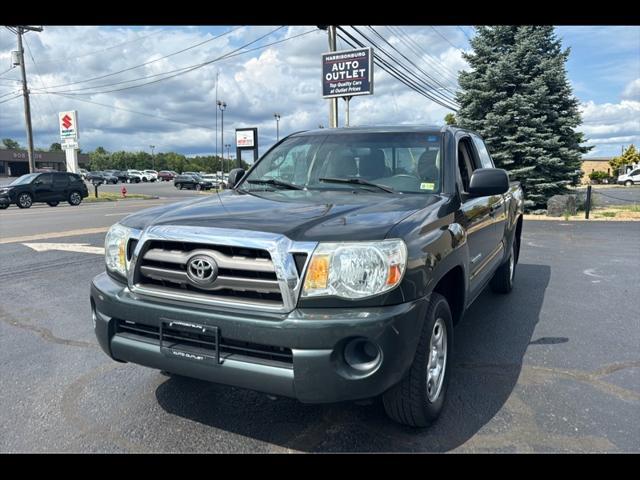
(334, 269)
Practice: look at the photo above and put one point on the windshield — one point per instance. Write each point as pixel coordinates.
(407, 162)
(24, 179)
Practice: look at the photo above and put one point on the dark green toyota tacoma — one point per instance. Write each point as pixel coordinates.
(334, 269)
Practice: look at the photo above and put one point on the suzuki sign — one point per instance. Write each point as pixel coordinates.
(68, 123)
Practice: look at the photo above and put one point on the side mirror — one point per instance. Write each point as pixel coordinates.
(488, 181)
(235, 176)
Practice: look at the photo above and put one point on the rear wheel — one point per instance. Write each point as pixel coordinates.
(178, 186)
(24, 200)
(53, 204)
(75, 198)
(419, 397)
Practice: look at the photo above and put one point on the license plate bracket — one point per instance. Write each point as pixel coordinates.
(190, 341)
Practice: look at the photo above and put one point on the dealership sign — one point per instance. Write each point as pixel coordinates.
(68, 123)
(245, 138)
(347, 73)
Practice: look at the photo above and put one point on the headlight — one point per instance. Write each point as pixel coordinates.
(115, 249)
(355, 269)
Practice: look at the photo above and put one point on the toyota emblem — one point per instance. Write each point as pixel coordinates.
(202, 270)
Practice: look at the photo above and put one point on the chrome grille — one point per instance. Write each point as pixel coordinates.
(254, 269)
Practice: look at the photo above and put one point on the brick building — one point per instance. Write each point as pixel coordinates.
(596, 164)
(14, 163)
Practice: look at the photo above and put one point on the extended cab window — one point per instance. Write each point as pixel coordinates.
(483, 153)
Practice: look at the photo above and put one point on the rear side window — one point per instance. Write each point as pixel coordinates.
(60, 181)
(73, 178)
(483, 153)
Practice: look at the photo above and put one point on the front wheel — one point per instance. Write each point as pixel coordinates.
(75, 198)
(418, 398)
(198, 187)
(178, 186)
(4, 206)
(24, 200)
(502, 281)
(53, 204)
(628, 183)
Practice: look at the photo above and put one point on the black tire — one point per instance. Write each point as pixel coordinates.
(53, 204)
(198, 187)
(408, 402)
(628, 183)
(75, 199)
(137, 180)
(178, 186)
(502, 281)
(24, 200)
(4, 206)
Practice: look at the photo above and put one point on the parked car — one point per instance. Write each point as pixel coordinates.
(136, 176)
(96, 176)
(152, 175)
(121, 175)
(50, 188)
(83, 173)
(329, 275)
(630, 178)
(110, 176)
(213, 178)
(166, 175)
(193, 181)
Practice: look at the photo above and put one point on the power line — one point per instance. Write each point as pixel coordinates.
(465, 33)
(394, 72)
(434, 94)
(412, 63)
(184, 70)
(143, 64)
(40, 80)
(445, 38)
(12, 98)
(57, 60)
(434, 62)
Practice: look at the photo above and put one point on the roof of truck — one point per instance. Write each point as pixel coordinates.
(374, 129)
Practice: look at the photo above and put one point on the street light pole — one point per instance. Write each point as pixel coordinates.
(222, 105)
(228, 146)
(277, 117)
(333, 102)
(153, 159)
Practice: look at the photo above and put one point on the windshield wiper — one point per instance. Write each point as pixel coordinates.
(278, 183)
(357, 181)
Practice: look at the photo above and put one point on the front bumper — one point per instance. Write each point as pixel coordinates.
(316, 337)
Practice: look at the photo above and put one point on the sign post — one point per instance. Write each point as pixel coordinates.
(68, 124)
(346, 74)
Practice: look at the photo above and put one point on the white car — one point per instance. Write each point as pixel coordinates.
(152, 175)
(213, 178)
(136, 176)
(630, 178)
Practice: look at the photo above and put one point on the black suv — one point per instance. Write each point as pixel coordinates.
(50, 188)
(192, 181)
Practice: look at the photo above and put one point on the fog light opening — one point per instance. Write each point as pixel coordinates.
(362, 355)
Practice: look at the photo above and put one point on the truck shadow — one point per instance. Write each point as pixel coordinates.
(490, 344)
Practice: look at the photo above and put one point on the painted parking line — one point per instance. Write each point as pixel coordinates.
(44, 236)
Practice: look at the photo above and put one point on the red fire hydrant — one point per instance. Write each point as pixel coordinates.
(123, 191)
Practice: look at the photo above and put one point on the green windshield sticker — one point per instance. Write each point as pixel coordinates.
(427, 186)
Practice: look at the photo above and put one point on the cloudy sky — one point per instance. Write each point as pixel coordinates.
(97, 70)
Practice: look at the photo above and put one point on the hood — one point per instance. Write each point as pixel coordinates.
(300, 215)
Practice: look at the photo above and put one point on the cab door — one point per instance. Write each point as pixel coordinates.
(477, 220)
(43, 188)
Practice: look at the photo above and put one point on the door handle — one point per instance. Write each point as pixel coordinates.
(494, 208)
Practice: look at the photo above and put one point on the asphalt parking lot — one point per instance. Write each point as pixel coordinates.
(552, 367)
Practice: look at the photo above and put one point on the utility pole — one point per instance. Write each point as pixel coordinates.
(228, 147)
(25, 93)
(277, 117)
(333, 102)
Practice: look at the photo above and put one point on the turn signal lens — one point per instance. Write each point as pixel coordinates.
(395, 274)
(318, 272)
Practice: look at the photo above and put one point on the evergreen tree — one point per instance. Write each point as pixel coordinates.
(518, 98)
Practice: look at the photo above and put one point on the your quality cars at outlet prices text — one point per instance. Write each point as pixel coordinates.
(334, 269)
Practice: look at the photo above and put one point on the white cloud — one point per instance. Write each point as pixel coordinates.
(632, 90)
(611, 125)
